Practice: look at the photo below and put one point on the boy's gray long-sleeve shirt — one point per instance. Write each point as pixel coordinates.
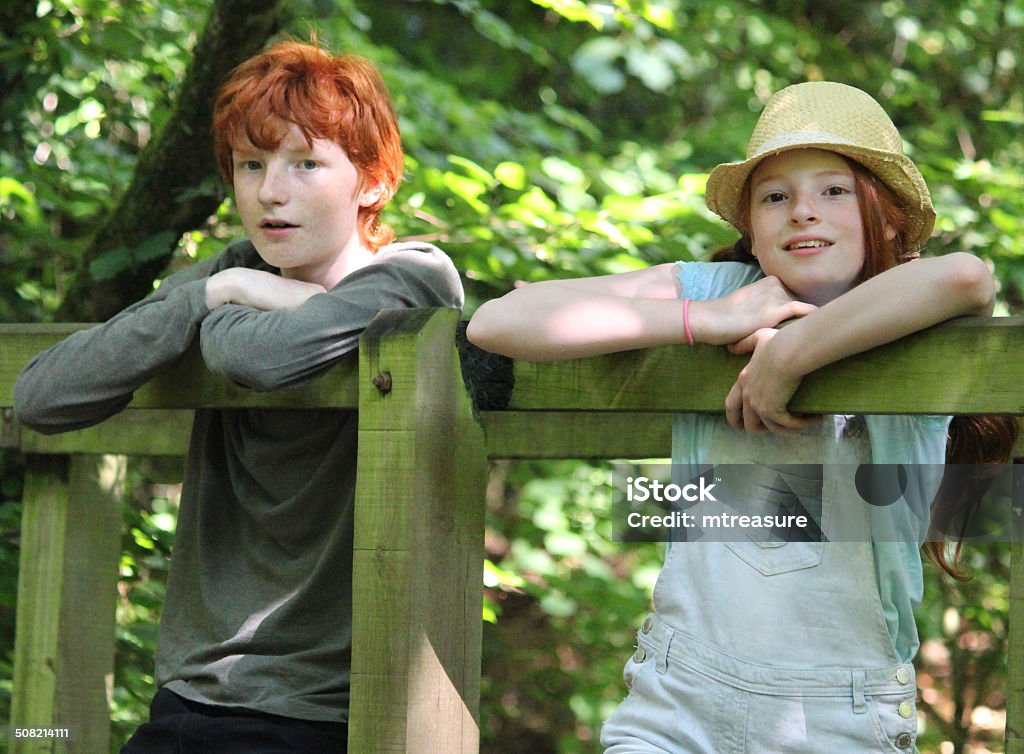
(258, 606)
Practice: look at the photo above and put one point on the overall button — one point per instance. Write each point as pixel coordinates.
(648, 625)
(640, 655)
(906, 709)
(629, 680)
(903, 676)
(904, 741)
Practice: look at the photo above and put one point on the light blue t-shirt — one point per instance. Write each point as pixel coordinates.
(918, 442)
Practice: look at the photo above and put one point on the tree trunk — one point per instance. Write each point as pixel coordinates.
(175, 186)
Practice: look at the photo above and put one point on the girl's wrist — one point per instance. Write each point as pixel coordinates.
(789, 353)
(687, 331)
(698, 323)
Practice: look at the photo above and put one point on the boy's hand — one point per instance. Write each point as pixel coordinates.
(746, 310)
(258, 289)
(758, 400)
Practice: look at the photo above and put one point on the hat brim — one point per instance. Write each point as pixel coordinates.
(724, 193)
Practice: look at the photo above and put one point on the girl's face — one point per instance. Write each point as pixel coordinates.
(805, 223)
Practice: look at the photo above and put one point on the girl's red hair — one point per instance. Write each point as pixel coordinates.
(340, 98)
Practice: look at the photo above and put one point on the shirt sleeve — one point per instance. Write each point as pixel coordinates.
(705, 281)
(269, 350)
(92, 374)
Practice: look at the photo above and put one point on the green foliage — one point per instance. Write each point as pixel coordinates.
(545, 138)
(553, 660)
(150, 519)
(89, 89)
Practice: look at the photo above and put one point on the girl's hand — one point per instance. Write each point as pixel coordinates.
(258, 289)
(758, 400)
(734, 317)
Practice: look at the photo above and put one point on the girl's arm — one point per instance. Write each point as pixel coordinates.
(568, 319)
(900, 301)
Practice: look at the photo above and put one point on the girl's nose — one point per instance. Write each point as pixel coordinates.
(804, 209)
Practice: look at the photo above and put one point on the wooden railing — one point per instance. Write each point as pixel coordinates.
(424, 447)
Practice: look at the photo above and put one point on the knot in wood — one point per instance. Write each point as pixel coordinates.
(383, 382)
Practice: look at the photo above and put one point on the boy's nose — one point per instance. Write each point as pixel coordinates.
(272, 188)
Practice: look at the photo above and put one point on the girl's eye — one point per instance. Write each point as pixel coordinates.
(837, 190)
(774, 197)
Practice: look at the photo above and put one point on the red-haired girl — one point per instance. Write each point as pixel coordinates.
(765, 644)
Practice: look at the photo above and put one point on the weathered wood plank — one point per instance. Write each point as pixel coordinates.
(594, 435)
(139, 432)
(561, 434)
(417, 592)
(971, 365)
(964, 366)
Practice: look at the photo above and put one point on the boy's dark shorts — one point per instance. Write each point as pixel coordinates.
(181, 726)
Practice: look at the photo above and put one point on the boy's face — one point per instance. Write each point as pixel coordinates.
(299, 205)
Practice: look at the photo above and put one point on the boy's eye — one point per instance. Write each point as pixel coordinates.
(250, 164)
(309, 164)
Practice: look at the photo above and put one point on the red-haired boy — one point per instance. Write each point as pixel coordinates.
(255, 638)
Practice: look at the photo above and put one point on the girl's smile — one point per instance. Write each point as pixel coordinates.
(806, 246)
(806, 224)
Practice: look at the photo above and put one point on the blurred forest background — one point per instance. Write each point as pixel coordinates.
(545, 138)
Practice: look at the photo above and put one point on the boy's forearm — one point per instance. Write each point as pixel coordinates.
(290, 346)
(92, 374)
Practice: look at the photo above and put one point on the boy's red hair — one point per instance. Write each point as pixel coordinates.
(341, 98)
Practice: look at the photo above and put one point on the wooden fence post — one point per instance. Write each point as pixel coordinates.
(67, 587)
(417, 581)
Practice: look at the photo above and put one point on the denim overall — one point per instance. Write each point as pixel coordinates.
(772, 646)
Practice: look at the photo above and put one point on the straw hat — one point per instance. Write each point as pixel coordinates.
(837, 118)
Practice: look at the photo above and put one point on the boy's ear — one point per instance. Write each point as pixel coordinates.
(371, 193)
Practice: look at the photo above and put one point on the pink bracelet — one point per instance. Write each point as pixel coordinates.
(686, 321)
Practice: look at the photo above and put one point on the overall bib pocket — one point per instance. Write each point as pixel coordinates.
(795, 493)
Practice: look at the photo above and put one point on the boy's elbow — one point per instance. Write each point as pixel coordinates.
(31, 408)
(49, 410)
(28, 412)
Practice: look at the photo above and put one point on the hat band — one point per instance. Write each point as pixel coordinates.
(795, 138)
